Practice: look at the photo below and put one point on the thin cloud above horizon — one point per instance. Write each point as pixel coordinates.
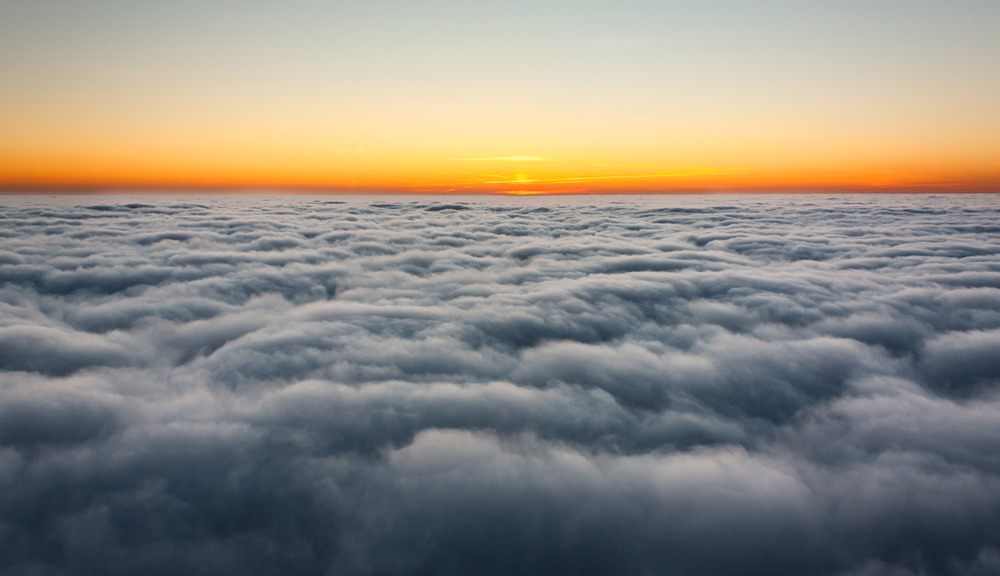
(504, 159)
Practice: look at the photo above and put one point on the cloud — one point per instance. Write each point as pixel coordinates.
(694, 385)
(505, 159)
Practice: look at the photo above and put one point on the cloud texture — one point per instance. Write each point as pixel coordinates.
(690, 386)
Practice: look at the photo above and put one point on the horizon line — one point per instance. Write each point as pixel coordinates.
(85, 190)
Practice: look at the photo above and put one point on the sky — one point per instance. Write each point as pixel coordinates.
(512, 96)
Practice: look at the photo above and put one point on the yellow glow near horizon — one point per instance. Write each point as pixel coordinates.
(505, 159)
(487, 97)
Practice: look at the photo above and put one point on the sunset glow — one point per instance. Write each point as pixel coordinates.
(453, 98)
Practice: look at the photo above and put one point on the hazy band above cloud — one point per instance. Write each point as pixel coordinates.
(659, 385)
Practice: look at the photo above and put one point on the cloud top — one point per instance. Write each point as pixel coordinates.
(668, 385)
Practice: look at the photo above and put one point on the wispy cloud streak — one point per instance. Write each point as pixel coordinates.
(505, 159)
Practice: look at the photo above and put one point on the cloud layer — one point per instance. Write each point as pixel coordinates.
(691, 386)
